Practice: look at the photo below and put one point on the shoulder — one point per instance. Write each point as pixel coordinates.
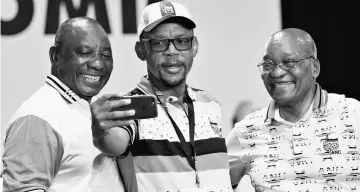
(46, 104)
(136, 91)
(204, 96)
(254, 119)
(341, 102)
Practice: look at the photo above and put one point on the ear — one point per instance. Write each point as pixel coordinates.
(316, 68)
(195, 46)
(54, 55)
(54, 58)
(140, 51)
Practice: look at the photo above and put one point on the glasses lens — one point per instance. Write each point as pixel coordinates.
(183, 43)
(267, 66)
(159, 44)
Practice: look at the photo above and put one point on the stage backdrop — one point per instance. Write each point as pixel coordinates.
(231, 34)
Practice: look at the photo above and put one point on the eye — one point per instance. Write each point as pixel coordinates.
(156, 42)
(268, 64)
(183, 40)
(83, 54)
(107, 55)
(289, 62)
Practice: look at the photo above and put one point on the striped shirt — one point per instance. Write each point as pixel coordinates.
(319, 153)
(159, 162)
(48, 145)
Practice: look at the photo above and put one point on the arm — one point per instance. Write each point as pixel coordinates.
(32, 155)
(237, 166)
(111, 135)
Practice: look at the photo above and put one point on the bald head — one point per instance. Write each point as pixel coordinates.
(299, 39)
(75, 25)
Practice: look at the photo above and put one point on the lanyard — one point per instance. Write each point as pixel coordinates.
(190, 153)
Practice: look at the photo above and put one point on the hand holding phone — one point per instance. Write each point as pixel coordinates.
(145, 106)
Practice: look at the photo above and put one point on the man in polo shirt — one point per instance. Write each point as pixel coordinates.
(306, 139)
(182, 149)
(48, 145)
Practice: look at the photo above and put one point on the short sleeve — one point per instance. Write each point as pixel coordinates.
(32, 155)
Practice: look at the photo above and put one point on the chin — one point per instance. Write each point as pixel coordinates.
(283, 99)
(173, 82)
(89, 92)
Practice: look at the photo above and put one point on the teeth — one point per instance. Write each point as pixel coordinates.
(90, 77)
(282, 84)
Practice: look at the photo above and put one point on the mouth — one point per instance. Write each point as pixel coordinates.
(282, 84)
(90, 78)
(172, 66)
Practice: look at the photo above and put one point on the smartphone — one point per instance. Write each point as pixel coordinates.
(145, 106)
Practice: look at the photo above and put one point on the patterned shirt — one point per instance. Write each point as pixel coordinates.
(319, 153)
(159, 162)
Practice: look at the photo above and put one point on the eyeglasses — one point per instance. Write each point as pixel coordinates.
(286, 65)
(160, 45)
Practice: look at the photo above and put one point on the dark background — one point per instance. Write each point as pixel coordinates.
(333, 26)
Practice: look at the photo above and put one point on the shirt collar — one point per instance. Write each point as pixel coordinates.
(320, 100)
(64, 90)
(145, 87)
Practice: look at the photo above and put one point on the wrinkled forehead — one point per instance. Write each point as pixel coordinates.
(287, 44)
(84, 28)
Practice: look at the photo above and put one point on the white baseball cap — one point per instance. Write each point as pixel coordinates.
(156, 13)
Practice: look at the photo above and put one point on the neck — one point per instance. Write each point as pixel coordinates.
(295, 111)
(167, 90)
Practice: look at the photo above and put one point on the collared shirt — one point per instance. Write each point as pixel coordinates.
(319, 153)
(159, 162)
(48, 143)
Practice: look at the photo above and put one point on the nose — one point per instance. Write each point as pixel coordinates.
(97, 63)
(171, 50)
(277, 71)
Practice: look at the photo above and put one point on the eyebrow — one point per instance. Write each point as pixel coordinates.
(266, 57)
(107, 49)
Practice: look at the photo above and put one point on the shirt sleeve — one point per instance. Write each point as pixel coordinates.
(236, 164)
(32, 155)
(132, 130)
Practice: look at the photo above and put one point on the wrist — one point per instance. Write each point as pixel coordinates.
(99, 134)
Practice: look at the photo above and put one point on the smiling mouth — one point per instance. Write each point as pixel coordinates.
(282, 84)
(91, 77)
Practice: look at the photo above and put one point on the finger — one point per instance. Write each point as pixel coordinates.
(111, 104)
(105, 125)
(105, 103)
(106, 97)
(118, 102)
(119, 114)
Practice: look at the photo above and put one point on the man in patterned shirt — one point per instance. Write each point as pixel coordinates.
(306, 139)
(182, 149)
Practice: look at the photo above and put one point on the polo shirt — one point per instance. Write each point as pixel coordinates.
(159, 162)
(320, 152)
(49, 146)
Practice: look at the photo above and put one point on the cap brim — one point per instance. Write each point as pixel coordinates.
(150, 27)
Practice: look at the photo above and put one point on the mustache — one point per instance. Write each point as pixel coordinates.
(172, 62)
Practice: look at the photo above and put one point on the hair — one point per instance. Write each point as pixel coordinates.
(71, 25)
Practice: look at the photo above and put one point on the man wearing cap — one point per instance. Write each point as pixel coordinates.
(182, 149)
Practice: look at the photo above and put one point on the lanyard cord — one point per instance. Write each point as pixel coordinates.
(190, 153)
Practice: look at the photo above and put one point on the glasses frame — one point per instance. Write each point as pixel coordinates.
(281, 65)
(169, 41)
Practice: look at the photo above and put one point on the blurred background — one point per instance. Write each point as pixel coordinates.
(231, 33)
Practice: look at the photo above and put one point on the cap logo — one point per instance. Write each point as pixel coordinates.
(167, 9)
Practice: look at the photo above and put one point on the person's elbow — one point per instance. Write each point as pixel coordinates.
(114, 143)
